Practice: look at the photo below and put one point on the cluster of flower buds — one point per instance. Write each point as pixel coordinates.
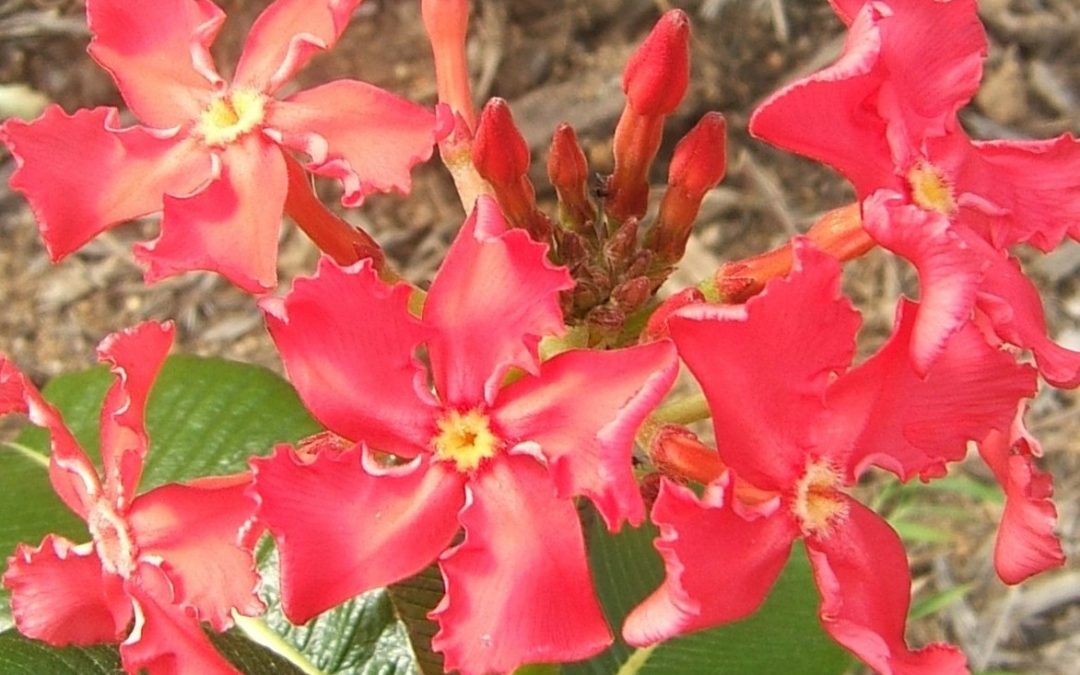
(597, 233)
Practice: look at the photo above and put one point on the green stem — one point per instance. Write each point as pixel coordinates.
(261, 634)
(636, 661)
(683, 411)
(29, 453)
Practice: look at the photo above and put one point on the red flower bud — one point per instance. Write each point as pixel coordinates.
(698, 164)
(569, 174)
(658, 73)
(500, 152)
(700, 158)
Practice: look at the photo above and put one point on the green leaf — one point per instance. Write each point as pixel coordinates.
(361, 637)
(21, 655)
(627, 569)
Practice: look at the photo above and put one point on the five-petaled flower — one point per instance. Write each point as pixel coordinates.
(158, 562)
(794, 428)
(210, 155)
(884, 115)
(485, 439)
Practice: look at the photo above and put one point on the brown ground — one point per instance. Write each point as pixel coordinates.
(557, 60)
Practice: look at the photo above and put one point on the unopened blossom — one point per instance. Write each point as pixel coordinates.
(158, 563)
(884, 115)
(795, 428)
(485, 439)
(209, 154)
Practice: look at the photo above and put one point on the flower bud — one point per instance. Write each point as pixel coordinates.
(569, 174)
(697, 166)
(500, 152)
(655, 82)
(501, 156)
(658, 72)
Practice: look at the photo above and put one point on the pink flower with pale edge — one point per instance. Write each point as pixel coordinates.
(498, 446)
(800, 429)
(884, 115)
(210, 155)
(158, 562)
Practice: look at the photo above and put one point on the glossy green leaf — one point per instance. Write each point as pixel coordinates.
(627, 569)
(364, 636)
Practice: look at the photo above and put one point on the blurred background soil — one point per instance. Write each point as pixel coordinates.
(561, 60)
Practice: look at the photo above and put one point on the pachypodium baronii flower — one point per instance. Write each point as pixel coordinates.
(157, 563)
(794, 427)
(209, 154)
(884, 115)
(502, 461)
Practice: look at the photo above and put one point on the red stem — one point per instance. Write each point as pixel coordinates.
(335, 237)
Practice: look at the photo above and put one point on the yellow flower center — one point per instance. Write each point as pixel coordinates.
(930, 189)
(465, 439)
(229, 117)
(818, 500)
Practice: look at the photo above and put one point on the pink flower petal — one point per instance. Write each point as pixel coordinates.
(779, 352)
(385, 526)
(348, 344)
(1013, 306)
(159, 55)
(492, 300)
(231, 227)
(1020, 191)
(1026, 544)
(518, 589)
(195, 530)
(364, 136)
(826, 116)
(949, 272)
(719, 563)
(166, 640)
(60, 594)
(588, 438)
(83, 174)
(73, 477)
(912, 425)
(862, 573)
(135, 356)
(932, 54)
(285, 37)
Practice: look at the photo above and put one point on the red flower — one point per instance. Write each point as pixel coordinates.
(884, 115)
(795, 429)
(211, 153)
(500, 460)
(165, 559)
